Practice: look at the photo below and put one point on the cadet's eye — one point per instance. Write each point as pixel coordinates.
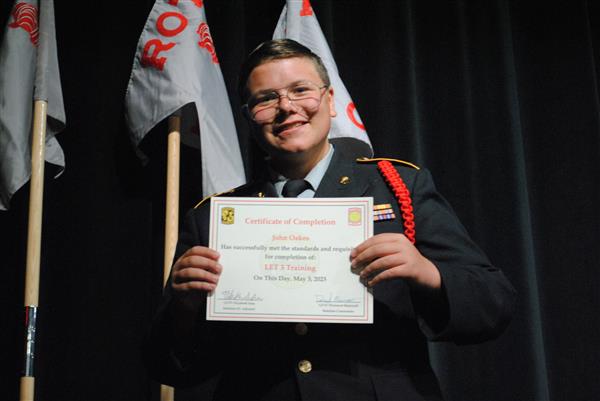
(264, 99)
(300, 89)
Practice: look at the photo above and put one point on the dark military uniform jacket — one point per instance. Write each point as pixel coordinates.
(386, 360)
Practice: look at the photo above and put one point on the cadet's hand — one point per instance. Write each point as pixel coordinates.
(389, 256)
(195, 273)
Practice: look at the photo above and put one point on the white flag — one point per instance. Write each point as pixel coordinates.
(298, 22)
(176, 64)
(28, 71)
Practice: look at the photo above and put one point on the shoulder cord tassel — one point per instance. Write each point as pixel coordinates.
(402, 194)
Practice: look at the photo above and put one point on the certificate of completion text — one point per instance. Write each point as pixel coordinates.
(288, 259)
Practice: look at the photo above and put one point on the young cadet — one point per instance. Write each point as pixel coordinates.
(441, 287)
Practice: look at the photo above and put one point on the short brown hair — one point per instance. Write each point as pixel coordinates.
(277, 49)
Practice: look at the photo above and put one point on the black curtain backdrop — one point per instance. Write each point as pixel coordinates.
(499, 99)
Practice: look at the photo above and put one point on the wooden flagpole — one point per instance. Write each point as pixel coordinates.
(167, 393)
(34, 241)
(172, 196)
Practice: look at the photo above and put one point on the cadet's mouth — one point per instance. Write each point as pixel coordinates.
(288, 126)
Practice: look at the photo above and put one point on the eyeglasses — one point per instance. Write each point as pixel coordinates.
(263, 106)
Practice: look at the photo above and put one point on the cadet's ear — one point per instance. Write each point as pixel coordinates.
(332, 112)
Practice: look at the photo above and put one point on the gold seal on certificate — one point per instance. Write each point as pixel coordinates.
(288, 259)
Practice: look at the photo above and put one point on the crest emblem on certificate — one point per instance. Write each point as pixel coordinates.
(354, 216)
(227, 215)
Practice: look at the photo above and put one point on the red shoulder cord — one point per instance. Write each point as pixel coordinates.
(402, 194)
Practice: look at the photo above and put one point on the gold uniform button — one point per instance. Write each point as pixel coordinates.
(344, 180)
(301, 329)
(304, 366)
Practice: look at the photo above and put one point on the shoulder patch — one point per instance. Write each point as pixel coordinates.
(396, 161)
(210, 196)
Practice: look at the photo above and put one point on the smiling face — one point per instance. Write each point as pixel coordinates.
(295, 134)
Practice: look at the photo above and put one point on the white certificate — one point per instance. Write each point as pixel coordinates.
(288, 259)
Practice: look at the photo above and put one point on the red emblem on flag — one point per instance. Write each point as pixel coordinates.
(162, 28)
(25, 16)
(306, 8)
(152, 59)
(351, 115)
(206, 41)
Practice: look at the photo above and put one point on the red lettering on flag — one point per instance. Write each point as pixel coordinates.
(198, 3)
(306, 9)
(25, 17)
(153, 60)
(160, 23)
(206, 41)
(350, 112)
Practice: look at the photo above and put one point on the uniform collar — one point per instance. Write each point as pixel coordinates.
(314, 176)
(341, 179)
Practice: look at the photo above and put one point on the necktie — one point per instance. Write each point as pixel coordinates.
(293, 188)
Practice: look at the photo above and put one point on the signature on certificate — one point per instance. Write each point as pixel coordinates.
(330, 298)
(234, 295)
